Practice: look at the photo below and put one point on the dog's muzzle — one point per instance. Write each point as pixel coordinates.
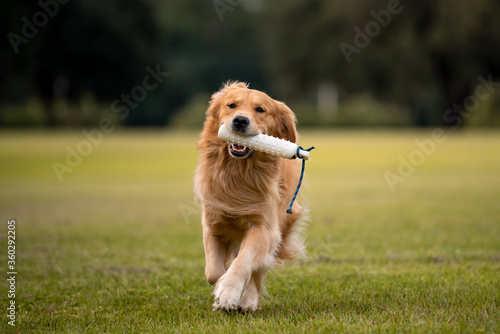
(239, 124)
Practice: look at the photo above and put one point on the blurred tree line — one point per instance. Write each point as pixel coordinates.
(376, 62)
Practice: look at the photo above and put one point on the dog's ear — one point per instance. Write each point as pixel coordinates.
(225, 87)
(286, 123)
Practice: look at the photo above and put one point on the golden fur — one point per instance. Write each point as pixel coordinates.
(244, 200)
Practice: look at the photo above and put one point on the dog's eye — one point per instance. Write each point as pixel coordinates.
(259, 109)
(232, 106)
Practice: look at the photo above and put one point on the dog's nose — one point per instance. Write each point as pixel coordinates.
(240, 123)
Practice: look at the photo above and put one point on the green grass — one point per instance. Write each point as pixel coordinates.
(116, 247)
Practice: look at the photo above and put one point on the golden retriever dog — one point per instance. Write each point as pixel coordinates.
(244, 195)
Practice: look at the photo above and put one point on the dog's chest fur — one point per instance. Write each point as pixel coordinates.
(241, 187)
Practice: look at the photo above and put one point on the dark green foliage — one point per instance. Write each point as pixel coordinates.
(424, 57)
(427, 57)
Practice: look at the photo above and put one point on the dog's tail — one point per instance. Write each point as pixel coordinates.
(292, 242)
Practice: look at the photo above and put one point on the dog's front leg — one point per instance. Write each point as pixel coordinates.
(254, 289)
(215, 255)
(257, 253)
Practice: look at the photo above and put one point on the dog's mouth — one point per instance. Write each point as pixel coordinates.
(239, 151)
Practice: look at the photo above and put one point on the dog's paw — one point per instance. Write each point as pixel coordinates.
(248, 305)
(227, 293)
(250, 300)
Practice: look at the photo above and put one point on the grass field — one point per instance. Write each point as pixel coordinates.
(116, 247)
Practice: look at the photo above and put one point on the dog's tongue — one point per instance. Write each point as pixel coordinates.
(239, 148)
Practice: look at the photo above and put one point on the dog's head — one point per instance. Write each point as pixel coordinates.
(248, 112)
